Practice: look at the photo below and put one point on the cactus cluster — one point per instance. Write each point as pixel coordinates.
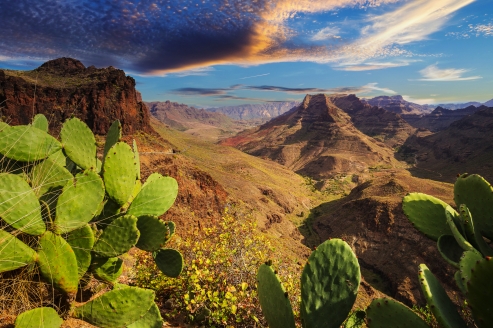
(68, 215)
(329, 285)
(460, 237)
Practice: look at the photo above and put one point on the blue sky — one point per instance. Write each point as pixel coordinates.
(224, 52)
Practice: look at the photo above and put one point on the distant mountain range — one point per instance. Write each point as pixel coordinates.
(397, 104)
(261, 112)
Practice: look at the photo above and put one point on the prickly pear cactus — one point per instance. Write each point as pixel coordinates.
(68, 216)
(461, 241)
(329, 285)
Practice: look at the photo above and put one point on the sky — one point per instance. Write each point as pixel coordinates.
(212, 53)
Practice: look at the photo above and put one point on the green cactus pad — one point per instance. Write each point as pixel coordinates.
(58, 158)
(108, 269)
(452, 216)
(153, 233)
(449, 249)
(356, 320)
(389, 313)
(118, 237)
(81, 240)
(117, 308)
(26, 143)
(427, 214)
(114, 135)
(43, 317)
(169, 261)
(480, 289)
(440, 304)
(57, 263)
(40, 122)
(468, 225)
(14, 253)
(119, 172)
(135, 192)
(459, 282)
(155, 197)
(273, 299)
(19, 206)
(172, 228)
(108, 214)
(47, 176)
(477, 194)
(79, 143)
(329, 284)
(152, 319)
(79, 201)
(137, 159)
(467, 263)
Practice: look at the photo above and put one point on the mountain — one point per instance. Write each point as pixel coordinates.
(209, 125)
(398, 105)
(64, 87)
(316, 139)
(441, 117)
(376, 122)
(262, 112)
(465, 146)
(461, 105)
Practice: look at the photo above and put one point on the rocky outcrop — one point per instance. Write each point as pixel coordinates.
(317, 139)
(64, 87)
(441, 118)
(263, 112)
(397, 104)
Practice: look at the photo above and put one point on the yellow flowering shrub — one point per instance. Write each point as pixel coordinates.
(217, 287)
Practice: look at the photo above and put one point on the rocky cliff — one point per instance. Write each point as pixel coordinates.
(398, 105)
(262, 112)
(441, 118)
(64, 87)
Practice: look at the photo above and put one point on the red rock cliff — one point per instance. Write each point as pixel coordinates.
(64, 87)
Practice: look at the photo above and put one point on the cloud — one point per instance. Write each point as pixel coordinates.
(373, 87)
(249, 77)
(477, 30)
(156, 38)
(433, 73)
(372, 65)
(327, 33)
(199, 71)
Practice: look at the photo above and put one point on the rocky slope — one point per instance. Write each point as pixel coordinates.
(259, 112)
(376, 122)
(397, 104)
(441, 117)
(64, 87)
(465, 146)
(316, 139)
(199, 122)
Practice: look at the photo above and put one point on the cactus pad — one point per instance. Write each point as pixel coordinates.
(329, 284)
(356, 320)
(26, 143)
(273, 299)
(440, 304)
(153, 233)
(427, 214)
(57, 263)
(48, 175)
(79, 201)
(169, 261)
(459, 282)
(452, 217)
(119, 172)
(114, 135)
(480, 289)
(449, 249)
(389, 313)
(108, 269)
(467, 263)
(14, 253)
(152, 319)
(477, 194)
(43, 317)
(40, 122)
(117, 308)
(118, 237)
(81, 240)
(137, 159)
(19, 206)
(155, 197)
(58, 158)
(79, 143)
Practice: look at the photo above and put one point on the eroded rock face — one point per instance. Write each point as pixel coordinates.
(64, 87)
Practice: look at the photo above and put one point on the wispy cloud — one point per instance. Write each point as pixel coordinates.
(330, 32)
(249, 77)
(374, 87)
(476, 30)
(199, 71)
(433, 73)
(368, 66)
